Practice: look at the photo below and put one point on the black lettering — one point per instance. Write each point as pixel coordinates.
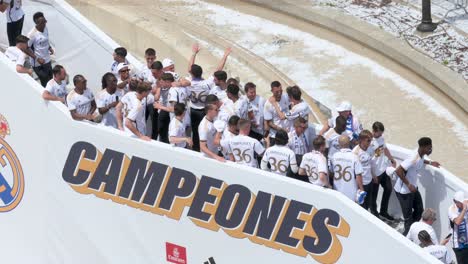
(173, 188)
(73, 159)
(202, 196)
(263, 218)
(319, 224)
(290, 222)
(238, 209)
(108, 171)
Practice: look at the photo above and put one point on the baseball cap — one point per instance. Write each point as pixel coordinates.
(459, 196)
(344, 106)
(167, 62)
(121, 66)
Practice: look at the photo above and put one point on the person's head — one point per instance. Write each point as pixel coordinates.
(59, 73)
(319, 144)
(294, 93)
(365, 139)
(166, 80)
(340, 126)
(133, 84)
(232, 92)
(150, 56)
(119, 54)
(40, 21)
(378, 129)
(124, 71)
(244, 126)
(232, 81)
(344, 109)
(213, 99)
(276, 90)
(109, 82)
(429, 216)
(168, 65)
(300, 125)
(425, 238)
(250, 91)
(211, 111)
(344, 142)
(425, 146)
(80, 82)
(281, 138)
(233, 124)
(196, 71)
(458, 199)
(179, 109)
(220, 78)
(157, 69)
(22, 42)
(143, 89)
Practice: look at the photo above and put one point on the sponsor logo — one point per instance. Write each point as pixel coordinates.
(11, 172)
(176, 254)
(263, 218)
(210, 261)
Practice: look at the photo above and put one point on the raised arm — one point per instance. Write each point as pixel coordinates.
(224, 59)
(195, 50)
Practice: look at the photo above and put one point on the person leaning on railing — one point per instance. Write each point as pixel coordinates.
(458, 214)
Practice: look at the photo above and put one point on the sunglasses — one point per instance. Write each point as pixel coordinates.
(124, 71)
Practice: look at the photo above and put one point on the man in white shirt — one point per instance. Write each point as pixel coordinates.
(207, 133)
(219, 78)
(347, 172)
(275, 112)
(427, 219)
(145, 74)
(279, 157)
(119, 56)
(256, 105)
(80, 101)
(299, 144)
(242, 148)
(440, 252)
(15, 18)
(332, 136)
(56, 89)
(225, 133)
(353, 125)
(314, 164)
(107, 100)
(458, 215)
(406, 186)
(17, 54)
(177, 130)
(134, 108)
(123, 79)
(39, 43)
(365, 154)
(239, 105)
(299, 108)
(163, 105)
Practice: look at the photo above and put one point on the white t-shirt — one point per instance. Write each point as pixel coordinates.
(243, 148)
(279, 158)
(299, 144)
(332, 143)
(104, 99)
(80, 102)
(207, 132)
(271, 114)
(439, 252)
(257, 106)
(226, 137)
(135, 110)
(412, 166)
(302, 109)
(460, 232)
(219, 92)
(16, 13)
(346, 166)
(417, 227)
(180, 95)
(226, 110)
(199, 90)
(365, 157)
(177, 129)
(241, 108)
(39, 42)
(55, 89)
(380, 160)
(314, 163)
(15, 55)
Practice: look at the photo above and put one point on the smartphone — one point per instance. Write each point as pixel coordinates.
(449, 235)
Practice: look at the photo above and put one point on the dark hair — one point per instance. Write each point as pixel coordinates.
(211, 99)
(281, 138)
(209, 107)
(299, 120)
(36, 16)
(132, 86)
(365, 134)
(121, 51)
(196, 71)
(78, 78)
(221, 76)
(275, 84)
(318, 142)
(294, 92)
(378, 126)
(150, 52)
(106, 79)
(143, 87)
(424, 142)
(22, 39)
(157, 65)
(424, 237)
(167, 77)
(234, 120)
(248, 86)
(341, 122)
(179, 109)
(233, 89)
(232, 81)
(57, 69)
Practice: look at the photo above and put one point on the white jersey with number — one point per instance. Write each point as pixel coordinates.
(346, 166)
(365, 157)
(135, 110)
(103, 99)
(80, 102)
(225, 138)
(243, 149)
(332, 144)
(207, 132)
(56, 89)
(301, 109)
(14, 10)
(381, 161)
(177, 129)
(314, 163)
(199, 90)
(279, 158)
(271, 114)
(439, 252)
(180, 95)
(39, 43)
(257, 106)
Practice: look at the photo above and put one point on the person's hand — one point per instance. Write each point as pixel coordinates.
(62, 99)
(393, 161)
(51, 51)
(195, 48)
(220, 159)
(435, 164)
(465, 204)
(227, 51)
(157, 105)
(114, 104)
(121, 128)
(282, 116)
(30, 72)
(90, 117)
(41, 61)
(145, 138)
(445, 241)
(412, 188)
(375, 180)
(189, 142)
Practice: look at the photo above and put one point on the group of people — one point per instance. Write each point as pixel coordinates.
(226, 121)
